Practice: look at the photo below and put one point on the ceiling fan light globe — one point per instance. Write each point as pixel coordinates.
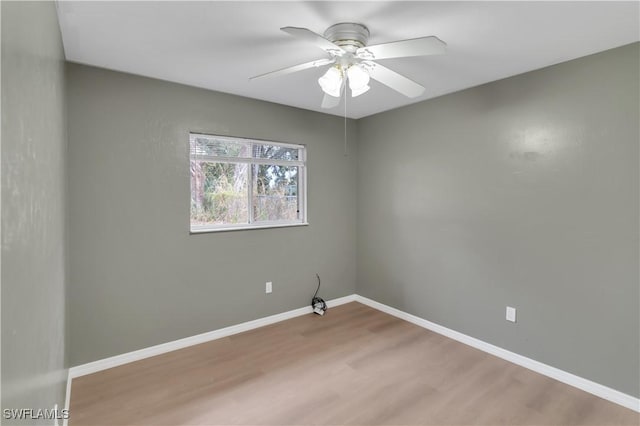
(359, 91)
(333, 91)
(358, 79)
(331, 82)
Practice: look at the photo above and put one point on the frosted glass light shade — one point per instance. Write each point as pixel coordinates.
(331, 82)
(359, 91)
(358, 80)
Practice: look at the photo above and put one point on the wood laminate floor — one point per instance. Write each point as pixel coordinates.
(354, 366)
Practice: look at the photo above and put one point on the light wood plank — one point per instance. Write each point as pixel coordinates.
(354, 366)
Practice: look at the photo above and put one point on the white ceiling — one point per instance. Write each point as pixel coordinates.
(219, 45)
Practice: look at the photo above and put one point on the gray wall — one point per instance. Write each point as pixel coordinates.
(33, 154)
(522, 192)
(137, 278)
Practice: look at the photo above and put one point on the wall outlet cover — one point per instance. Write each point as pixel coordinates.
(511, 314)
(268, 288)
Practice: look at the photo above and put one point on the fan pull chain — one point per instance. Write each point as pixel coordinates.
(345, 119)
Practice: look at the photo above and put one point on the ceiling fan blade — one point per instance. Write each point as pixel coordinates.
(405, 48)
(395, 81)
(329, 102)
(295, 68)
(317, 39)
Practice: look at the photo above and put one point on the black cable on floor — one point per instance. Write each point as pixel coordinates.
(317, 303)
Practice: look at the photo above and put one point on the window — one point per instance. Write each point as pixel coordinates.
(242, 183)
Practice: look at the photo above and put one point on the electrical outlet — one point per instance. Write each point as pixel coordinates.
(511, 314)
(268, 288)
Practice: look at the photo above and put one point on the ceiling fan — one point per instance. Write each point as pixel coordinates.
(352, 61)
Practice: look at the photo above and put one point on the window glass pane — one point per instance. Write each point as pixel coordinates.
(236, 183)
(220, 147)
(219, 193)
(275, 152)
(275, 192)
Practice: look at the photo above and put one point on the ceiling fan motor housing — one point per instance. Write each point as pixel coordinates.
(348, 35)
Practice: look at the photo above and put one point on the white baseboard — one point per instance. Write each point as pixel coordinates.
(114, 361)
(594, 388)
(67, 397)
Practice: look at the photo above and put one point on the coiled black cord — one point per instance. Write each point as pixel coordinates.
(318, 302)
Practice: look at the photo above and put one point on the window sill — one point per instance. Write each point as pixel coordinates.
(246, 227)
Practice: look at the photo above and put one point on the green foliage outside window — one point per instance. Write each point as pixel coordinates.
(219, 192)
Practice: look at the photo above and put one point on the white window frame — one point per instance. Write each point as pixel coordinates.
(301, 163)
